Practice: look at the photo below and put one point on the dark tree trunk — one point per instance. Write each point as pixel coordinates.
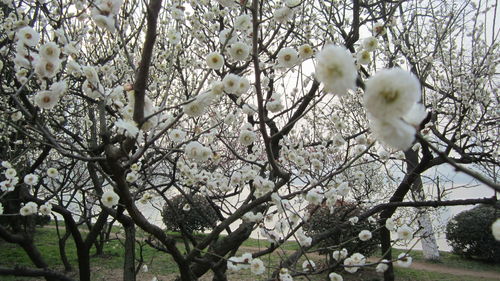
(385, 239)
(129, 262)
(62, 252)
(83, 262)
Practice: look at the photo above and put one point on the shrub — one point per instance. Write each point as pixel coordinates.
(200, 216)
(322, 220)
(469, 234)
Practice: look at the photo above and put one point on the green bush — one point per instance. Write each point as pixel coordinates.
(469, 234)
(322, 220)
(199, 217)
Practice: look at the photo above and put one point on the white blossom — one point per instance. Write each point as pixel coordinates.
(287, 57)
(257, 266)
(31, 179)
(46, 99)
(335, 68)
(365, 235)
(28, 209)
(404, 260)
(247, 137)
(46, 209)
(215, 60)
(335, 277)
(27, 35)
(370, 44)
(390, 224)
(231, 83)
(239, 51)
(391, 93)
(177, 135)
(382, 266)
(305, 51)
(405, 233)
(110, 199)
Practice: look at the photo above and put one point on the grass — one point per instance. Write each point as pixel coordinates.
(452, 260)
(163, 265)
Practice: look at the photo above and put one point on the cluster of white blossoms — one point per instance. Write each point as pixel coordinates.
(262, 185)
(104, 12)
(391, 101)
(110, 199)
(314, 197)
(133, 175)
(335, 68)
(275, 103)
(285, 12)
(146, 197)
(46, 63)
(232, 84)
(47, 99)
(11, 178)
(354, 262)
(339, 255)
(92, 86)
(197, 152)
(127, 125)
(235, 84)
(28, 209)
(368, 45)
(246, 261)
(284, 275)
(49, 62)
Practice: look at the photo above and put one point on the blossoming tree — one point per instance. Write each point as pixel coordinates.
(265, 108)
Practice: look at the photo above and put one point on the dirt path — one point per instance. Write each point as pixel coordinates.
(433, 267)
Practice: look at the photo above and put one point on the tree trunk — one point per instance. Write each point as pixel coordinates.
(62, 252)
(386, 248)
(83, 262)
(429, 244)
(129, 260)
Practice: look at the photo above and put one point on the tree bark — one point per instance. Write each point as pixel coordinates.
(129, 260)
(429, 245)
(62, 252)
(430, 248)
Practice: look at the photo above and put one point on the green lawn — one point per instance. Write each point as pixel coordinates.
(162, 265)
